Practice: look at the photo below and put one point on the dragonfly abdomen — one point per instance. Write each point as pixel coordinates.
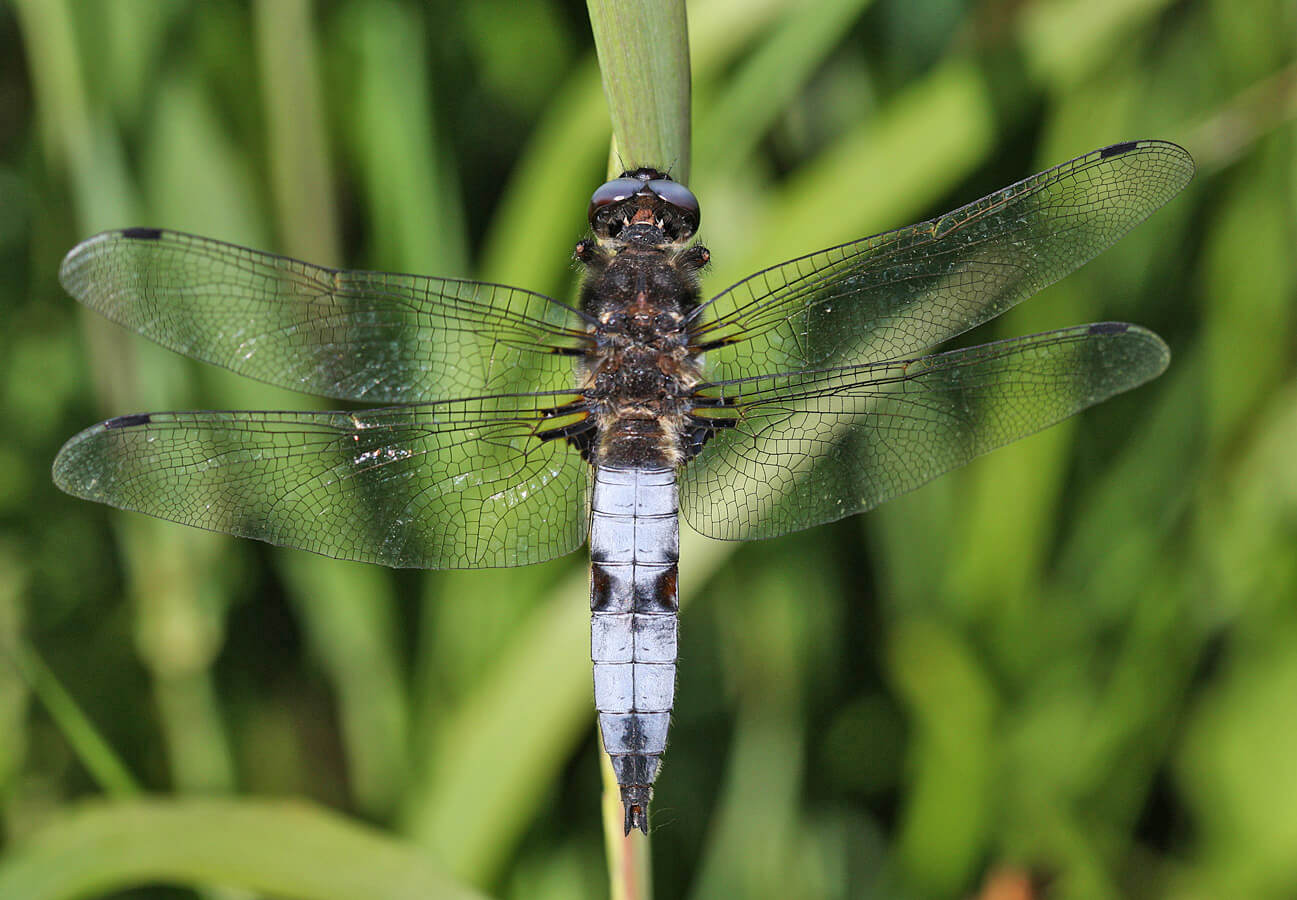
(634, 551)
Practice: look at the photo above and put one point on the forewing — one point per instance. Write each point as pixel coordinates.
(441, 486)
(377, 337)
(812, 447)
(897, 294)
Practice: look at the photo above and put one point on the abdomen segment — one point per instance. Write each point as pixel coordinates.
(634, 551)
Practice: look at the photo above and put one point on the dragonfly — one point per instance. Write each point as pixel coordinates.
(502, 427)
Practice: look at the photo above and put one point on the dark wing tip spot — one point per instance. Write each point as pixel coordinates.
(1109, 328)
(142, 234)
(1118, 149)
(130, 421)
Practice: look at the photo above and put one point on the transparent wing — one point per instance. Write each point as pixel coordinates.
(377, 337)
(796, 450)
(447, 485)
(900, 293)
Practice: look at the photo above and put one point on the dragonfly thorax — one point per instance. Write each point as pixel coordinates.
(641, 373)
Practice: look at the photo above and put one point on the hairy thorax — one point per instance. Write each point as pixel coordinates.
(639, 380)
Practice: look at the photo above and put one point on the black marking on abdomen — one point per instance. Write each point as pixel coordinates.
(662, 595)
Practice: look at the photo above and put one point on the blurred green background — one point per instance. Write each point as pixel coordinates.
(1069, 669)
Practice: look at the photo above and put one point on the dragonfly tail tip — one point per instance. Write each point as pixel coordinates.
(636, 817)
(636, 800)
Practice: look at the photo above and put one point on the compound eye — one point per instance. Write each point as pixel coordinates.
(679, 196)
(675, 193)
(614, 191)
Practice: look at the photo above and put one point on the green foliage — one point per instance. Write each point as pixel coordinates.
(280, 848)
(1073, 658)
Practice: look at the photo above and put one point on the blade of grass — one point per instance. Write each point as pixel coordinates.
(774, 645)
(196, 177)
(1065, 41)
(302, 176)
(348, 610)
(15, 691)
(893, 166)
(414, 215)
(1230, 131)
(630, 861)
(71, 138)
(350, 616)
(1242, 309)
(952, 703)
(285, 849)
(768, 80)
(164, 567)
(90, 747)
(719, 30)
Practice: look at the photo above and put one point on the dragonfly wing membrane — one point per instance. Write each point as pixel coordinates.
(900, 293)
(377, 337)
(810, 447)
(443, 486)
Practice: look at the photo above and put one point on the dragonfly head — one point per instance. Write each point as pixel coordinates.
(643, 199)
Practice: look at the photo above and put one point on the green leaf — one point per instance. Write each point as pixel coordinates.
(288, 849)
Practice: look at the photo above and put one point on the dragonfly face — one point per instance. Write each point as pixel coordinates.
(644, 196)
(508, 428)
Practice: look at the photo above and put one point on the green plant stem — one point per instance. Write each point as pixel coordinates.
(644, 59)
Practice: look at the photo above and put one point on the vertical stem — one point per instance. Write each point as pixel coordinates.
(643, 52)
(629, 855)
(302, 175)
